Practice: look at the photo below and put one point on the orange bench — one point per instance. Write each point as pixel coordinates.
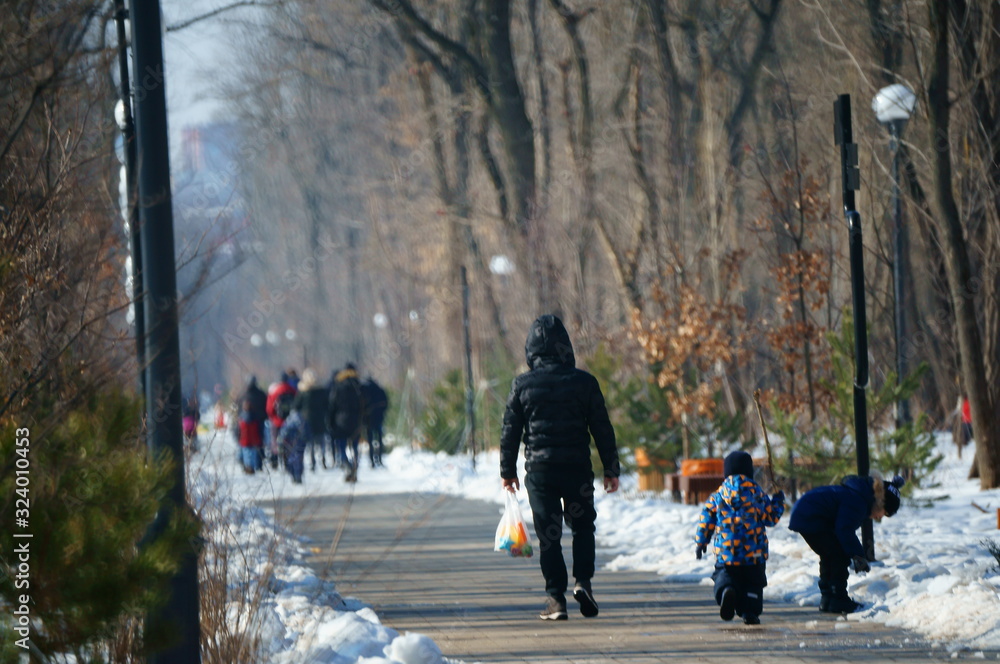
(697, 479)
(697, 488)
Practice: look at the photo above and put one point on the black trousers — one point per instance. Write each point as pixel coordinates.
(747, 581)
(375, 445)
(834, 563)
(556, 496)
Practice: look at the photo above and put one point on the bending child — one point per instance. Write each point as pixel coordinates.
(292, 439)
(827, 517)
(737, 514)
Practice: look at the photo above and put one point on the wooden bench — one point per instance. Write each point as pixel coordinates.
(672, 483)
(651, 481)
(697, 488)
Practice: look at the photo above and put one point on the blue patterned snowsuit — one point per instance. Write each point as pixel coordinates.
(292, 438)
(737, 515)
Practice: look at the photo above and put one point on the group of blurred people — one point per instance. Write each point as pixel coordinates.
(298, 415)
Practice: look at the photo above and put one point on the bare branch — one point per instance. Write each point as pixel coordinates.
(187, 23)
(447, 44)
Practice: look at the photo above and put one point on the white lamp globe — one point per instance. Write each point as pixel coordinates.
(894, 102)
(120, 114)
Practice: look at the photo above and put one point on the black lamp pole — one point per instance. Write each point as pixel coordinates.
(893, 106)
(851, 179)
(128, 140)
(179, 615)
(470, 395)
(899, 269)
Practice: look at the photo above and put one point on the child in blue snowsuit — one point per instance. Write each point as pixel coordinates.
(827, 518)
(292, 441)
(736, 515)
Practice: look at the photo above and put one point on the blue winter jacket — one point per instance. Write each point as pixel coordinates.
(840, 509)
(293, 433)
(737, 514)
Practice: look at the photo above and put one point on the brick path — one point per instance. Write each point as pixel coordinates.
(426, 564)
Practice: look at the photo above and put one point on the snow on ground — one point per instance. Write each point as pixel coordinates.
(934, 576)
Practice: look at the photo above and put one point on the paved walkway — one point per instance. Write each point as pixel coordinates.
(426, 564)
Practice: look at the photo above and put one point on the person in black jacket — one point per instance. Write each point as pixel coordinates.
(556, 408)
(344, 416)
(257, 413)
(376, 403)
(312, 401)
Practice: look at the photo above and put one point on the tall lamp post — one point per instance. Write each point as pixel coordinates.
(893, 106)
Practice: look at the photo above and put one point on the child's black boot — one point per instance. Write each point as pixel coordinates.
(727, 604)
(839, 604)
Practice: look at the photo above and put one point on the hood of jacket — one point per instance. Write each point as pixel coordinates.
(862, 486)
(736, 491)
(344, 374)
(548, 343)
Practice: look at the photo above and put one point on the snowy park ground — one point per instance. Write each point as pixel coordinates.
(934, 575)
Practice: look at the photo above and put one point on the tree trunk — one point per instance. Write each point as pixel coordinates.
(518, 139)
(985, 421)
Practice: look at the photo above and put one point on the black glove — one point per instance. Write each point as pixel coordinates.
(861, 564)
(779, 498)
(700, 551)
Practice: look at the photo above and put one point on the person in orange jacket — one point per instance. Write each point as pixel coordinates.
(966, 421)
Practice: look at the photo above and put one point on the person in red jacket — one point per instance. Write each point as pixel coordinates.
(251, 443)
(966, 421)
(280, 397)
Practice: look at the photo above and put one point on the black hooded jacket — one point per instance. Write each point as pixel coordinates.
(258, 401)
(343, 417)
(555, 408)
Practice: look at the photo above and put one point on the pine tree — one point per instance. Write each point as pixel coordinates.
(91, 493)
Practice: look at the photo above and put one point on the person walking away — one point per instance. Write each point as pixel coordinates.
(280, 397)
(220, 414)
(554, 409)
(966, 422)
(190, 416)
(827, 518)
(258, 406)
(251, 440)
(292, 443)
(376, 403)
(344, 416)
(312, 401)
(735, 518)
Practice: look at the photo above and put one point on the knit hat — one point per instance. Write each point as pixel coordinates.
(892, 495)
(738, 463)
(308, 379)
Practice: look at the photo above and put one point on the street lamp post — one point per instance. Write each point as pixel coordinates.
(178, 614)
(130, 207)
(893, 106)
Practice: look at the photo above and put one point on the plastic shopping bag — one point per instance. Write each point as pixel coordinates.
(512, 536)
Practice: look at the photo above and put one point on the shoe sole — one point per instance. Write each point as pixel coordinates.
(553, 616)
(727, 609)
(588, 607)
(845, 612)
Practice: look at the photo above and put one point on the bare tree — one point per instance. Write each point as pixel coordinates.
(972, 25)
